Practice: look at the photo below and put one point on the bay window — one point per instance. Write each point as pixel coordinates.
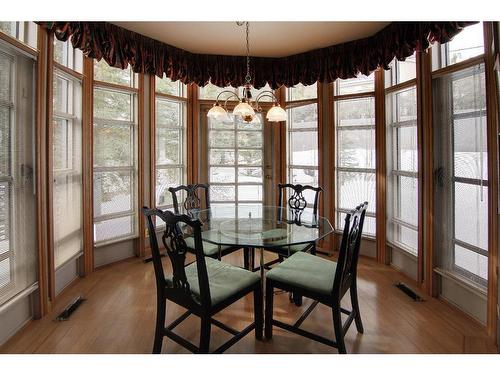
(170, 138)
(354, 110)
(115, 153)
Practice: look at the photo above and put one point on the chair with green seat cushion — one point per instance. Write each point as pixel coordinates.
(191, 205)
(204, 287)
(323, 281)
(296, 204)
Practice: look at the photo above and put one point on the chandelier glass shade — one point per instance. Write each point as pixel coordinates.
(246, 107)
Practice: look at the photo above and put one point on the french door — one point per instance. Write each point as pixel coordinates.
(18, 251)
(236, 160)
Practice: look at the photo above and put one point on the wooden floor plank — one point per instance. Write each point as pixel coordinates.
(119, 316)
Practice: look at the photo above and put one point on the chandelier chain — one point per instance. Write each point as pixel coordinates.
(248, 78)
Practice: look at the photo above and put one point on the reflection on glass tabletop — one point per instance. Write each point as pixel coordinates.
(260, 226)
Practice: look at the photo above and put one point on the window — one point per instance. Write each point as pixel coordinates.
(355, 151)
(465, 45)
(235, 165)
(401, 71)
(26, 31)
(402, 169)
(66, 55)
(210, 92)
(115, 154)
(18, 249)
(67, 154)
(170, 139)
(302, 138)
(461, 185)
(357, 85)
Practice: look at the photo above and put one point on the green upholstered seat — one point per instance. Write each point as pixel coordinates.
(209, 249)
(224, 279)
(275, 236)
(305, 271)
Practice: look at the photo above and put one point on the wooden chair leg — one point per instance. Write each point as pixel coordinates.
(269, 310)
(246, 263)
(355, 307)
(313, 249)
(258, 312)
(297, 299)
(161, 310)
(337, 326)
(205, 334)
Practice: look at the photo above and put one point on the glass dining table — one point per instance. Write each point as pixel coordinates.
(262, 227)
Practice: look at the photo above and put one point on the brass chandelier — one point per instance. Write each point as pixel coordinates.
(247, 109)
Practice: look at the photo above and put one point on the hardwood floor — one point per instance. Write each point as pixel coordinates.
(119, 317)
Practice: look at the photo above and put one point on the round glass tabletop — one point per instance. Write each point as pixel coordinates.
(249, 225)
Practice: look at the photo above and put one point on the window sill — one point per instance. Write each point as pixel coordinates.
(462, 281)
(402, 250)
(115, 240)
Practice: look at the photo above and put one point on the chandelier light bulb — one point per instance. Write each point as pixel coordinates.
(244, 109)
(276, 114)
(216, 112)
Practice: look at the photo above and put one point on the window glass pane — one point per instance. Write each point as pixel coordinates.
(401, 71)
(224, 156)
(169, 113)
(222, 193)
(5, 149)
(472, 262)
(112, 192)
(471, 214)
(210, 91)
(250, 174)
(250, 157)
(250, 193)
(301, 92)
(355, 112)
(168, 146)
(407, 198)
(304, 148)
(104, 72)
(113, 145)
(356, 85)
(66, 55)
(250, 139)
(222, 139)
(25, 32)
(114, 228)
(470, 148)
(304, 176)
(222, 174)
(304, 117)
(166, 86)
(112, 105)
(6, 64)
(165, 178)
(62, 94)
(468, 43)
(355, 188)
(356, 148)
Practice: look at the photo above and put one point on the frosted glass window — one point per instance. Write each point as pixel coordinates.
(355, 151)
(67, 167)
(235, 155)
(115, 154)
(302, 143)
(170, 139)
(402, 168)
(18, 242)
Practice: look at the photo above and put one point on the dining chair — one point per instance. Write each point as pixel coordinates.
(323, 281)
(192, 205)
(296, 204)
(203, 287)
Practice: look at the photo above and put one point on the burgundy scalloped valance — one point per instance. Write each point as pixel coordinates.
(120, 47)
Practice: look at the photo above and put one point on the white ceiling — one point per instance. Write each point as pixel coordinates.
(267, 39)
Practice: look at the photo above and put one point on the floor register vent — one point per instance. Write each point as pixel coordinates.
(70, 309)
(410, 293)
